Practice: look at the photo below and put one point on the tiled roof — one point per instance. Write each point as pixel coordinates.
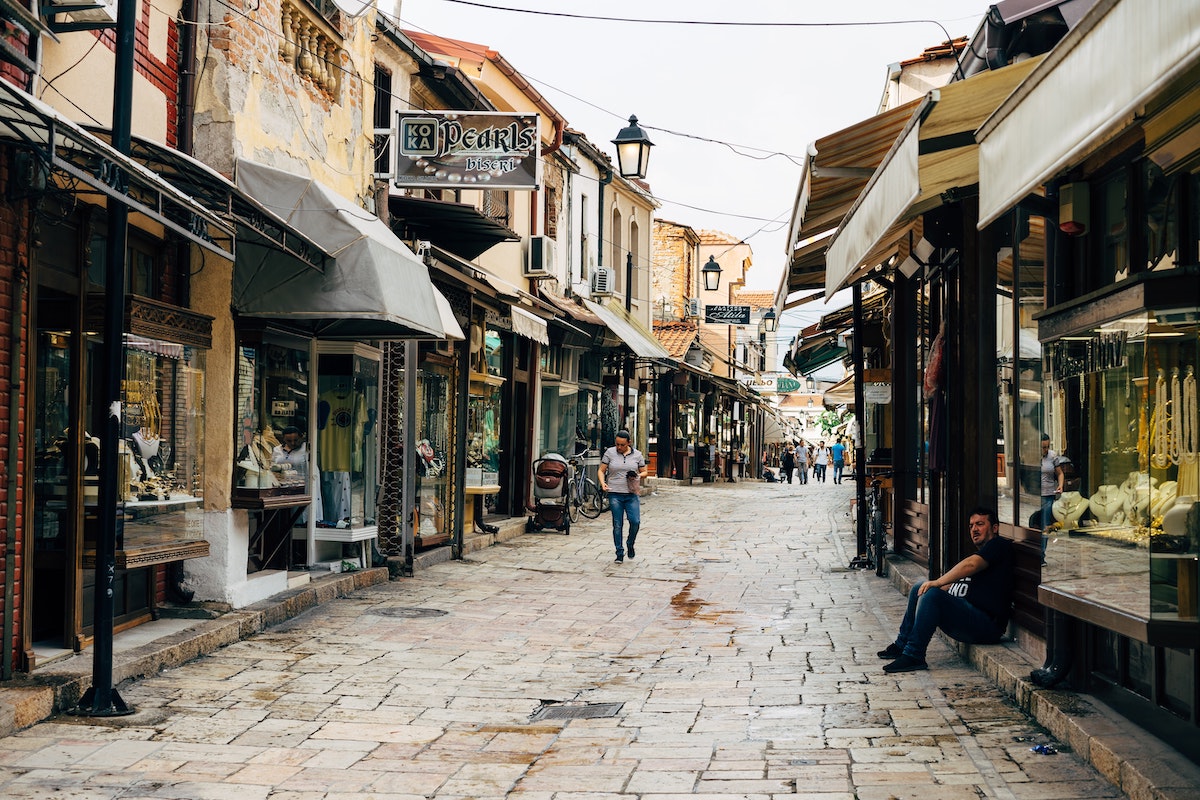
(718, 237)
(755, 299)
(675, 337)
(943, 50)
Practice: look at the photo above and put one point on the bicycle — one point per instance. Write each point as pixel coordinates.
(584, 494)
(876, 544)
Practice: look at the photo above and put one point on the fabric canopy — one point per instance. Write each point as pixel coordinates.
(772, 430)
(1094, 84)
(376, 288)
(935, 155)
(531, 326)
(636, 338)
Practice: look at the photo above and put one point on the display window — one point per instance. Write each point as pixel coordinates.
(272, 452)
(433, 415)
(1126, 532)
(347, 444)
(161, 463)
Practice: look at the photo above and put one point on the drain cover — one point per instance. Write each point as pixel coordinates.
(406, 612)
(581, 711)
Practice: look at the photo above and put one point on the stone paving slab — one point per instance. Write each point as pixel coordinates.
(738, 648)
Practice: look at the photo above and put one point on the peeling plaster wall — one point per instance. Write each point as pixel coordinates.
(253, 103)
(82, 66)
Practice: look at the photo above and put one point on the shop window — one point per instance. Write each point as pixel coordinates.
(347, 450)
(1161, 200)
(1127, 538)
(433, 415)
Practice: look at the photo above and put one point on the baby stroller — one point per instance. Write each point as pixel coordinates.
(551, 476)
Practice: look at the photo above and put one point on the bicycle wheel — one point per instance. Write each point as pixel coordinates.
(573, 502)
(595, 502)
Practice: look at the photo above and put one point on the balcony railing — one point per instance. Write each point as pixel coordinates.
(311, 46)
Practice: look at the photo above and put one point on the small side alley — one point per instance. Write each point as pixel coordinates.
(734, 657)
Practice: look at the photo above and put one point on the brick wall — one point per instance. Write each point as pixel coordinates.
(13, 321)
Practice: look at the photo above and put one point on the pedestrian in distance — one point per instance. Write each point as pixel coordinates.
(802, 462)
(971, 602)
(838, 454)
(622, 468)
(1052, 481)
(822, 457)
(788, 462)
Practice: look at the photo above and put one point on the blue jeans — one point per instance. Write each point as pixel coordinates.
(938, 609)
(1048, 510)
(625, 505)
(838, 466)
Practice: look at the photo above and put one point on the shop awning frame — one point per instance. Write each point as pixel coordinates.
(254, 223)
(458, 227)
(67, 151)
(373, 288)
(933, 159)
(1088, 89)
(639, 341)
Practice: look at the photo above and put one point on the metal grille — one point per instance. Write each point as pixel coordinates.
(406, 612)
(576, 711)
(391, 542)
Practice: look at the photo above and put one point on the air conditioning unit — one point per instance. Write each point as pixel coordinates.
(540, 263)
(99, 13)
(692, 309)
(602, 282)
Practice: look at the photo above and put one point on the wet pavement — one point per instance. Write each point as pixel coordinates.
(734, 657)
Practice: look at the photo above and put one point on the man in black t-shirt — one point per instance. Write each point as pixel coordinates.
(971, 602)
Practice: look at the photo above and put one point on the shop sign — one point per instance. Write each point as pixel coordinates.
(455, 149)
(727, 315)
(880, 393)
(785, 384)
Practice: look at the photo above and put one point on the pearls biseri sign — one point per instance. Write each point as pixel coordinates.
(455, 149)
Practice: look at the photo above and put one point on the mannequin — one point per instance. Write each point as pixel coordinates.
(1175, 517)
(1106, 501)
(1069, 508)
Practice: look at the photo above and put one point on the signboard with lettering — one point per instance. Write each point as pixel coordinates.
(727, 315)
(467, 150)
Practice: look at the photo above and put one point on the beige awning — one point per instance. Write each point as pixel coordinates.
(841, 393)
(934, 155)
(1091, 87)
(531, 326)
(639, 340)
(836, 169)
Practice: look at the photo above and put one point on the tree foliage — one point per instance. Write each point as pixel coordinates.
(830, 419)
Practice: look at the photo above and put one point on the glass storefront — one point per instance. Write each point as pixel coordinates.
(433, 415)
(1127, 537)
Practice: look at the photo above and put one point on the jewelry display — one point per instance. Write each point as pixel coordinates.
(1069, 508)
(1162, 498)
(1105, 502)
(1160, 425)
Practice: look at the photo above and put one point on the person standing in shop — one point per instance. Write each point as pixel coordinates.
(622, 468)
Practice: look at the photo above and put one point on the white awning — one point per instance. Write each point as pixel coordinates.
(531, 326)
(1090, 87)
(934, 155)
(376, 287)
(629, 330)
(446, 314)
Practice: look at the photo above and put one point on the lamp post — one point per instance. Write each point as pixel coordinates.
(711, 271)
(633, 150)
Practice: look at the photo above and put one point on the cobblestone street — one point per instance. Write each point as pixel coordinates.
(734, 657)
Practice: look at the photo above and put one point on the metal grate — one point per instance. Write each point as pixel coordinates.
(576, 711)
(406, 612)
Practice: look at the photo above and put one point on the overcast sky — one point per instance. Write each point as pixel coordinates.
(761, 89)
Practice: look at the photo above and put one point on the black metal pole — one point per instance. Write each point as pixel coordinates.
(627, 367)
(102, 699)
(860, 410)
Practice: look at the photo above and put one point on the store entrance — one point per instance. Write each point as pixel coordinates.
(60, 460)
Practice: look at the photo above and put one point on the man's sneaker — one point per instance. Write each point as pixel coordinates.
(906, 664)
(891, 652)
(629, 549)
(619, 560)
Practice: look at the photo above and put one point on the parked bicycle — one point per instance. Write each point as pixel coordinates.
(876, 543)
(585, 496)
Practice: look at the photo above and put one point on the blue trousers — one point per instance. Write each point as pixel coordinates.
(625, 505)
(939, 609)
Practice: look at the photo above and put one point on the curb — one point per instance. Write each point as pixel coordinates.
(57, 687)
(1136, 762)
